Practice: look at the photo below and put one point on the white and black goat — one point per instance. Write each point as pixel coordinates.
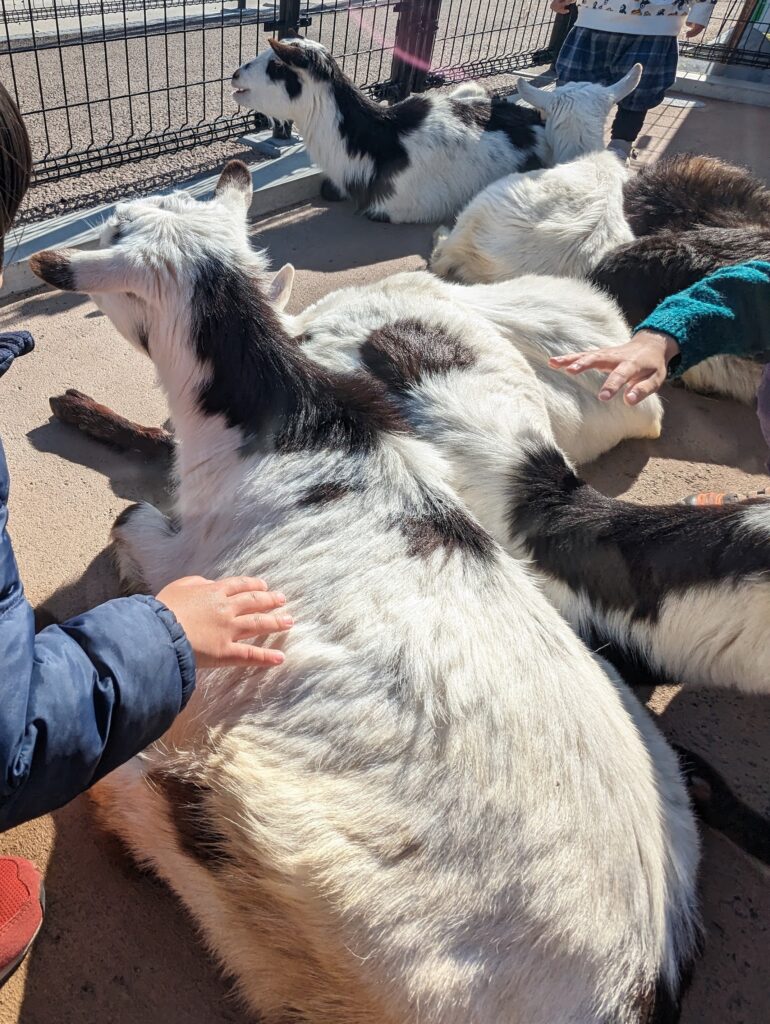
(400, 822)
(582, 219)
(422, 159)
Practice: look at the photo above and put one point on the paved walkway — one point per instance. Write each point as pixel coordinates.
(116, 948)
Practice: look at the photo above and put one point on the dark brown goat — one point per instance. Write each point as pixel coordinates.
(692, 215)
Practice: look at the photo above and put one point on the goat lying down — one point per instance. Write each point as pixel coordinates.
(400, 822)
(683, 590)
(422, 159)
(695, 214)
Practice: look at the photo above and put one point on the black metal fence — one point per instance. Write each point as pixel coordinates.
(105, 82)
(738, 33)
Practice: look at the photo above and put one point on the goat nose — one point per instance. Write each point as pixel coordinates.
(237, 74)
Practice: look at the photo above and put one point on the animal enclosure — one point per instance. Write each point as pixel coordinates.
(105, 84)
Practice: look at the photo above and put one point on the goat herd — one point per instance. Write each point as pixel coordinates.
(443, 808)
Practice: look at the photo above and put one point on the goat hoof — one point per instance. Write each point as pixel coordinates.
(330, 192)
(378, 218)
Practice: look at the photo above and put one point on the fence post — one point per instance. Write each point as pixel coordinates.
(416, 31)
(562, 23)
(287, 24)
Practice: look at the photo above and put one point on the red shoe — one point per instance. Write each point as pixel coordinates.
(21, 911)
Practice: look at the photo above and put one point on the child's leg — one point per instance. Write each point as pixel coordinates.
(627, 125)
(658, 56)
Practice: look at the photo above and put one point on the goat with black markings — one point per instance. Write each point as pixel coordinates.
(400, 821)
(423, 159)
(640, 237)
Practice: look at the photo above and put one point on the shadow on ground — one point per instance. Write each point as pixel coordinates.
(116, 945)
(332, 237)
(731, 984)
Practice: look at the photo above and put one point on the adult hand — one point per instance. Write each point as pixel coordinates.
(561, 6)
(639, 366)
(693, 29)
(218, 615)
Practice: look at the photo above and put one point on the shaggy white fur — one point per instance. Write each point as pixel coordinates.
(441, 807)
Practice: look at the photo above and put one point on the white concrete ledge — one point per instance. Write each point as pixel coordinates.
(284, 181)
(710, 84)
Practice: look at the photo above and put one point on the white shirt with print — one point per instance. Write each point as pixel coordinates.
(642, 17)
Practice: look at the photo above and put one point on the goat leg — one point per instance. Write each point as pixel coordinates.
(102, 424)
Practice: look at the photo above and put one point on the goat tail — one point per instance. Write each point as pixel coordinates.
(689, 190)
(717, 806)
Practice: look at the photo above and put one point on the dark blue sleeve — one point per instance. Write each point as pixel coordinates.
(727, 313)
(79, 699)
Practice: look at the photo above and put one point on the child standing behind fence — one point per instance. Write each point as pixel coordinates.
(612, 35)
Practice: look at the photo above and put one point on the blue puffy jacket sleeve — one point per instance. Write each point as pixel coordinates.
(78, 699)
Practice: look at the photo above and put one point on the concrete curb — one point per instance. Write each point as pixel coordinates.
(288, 179)
(714, 86)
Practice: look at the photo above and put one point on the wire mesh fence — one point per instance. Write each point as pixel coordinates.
(105, 82)
(738, 33)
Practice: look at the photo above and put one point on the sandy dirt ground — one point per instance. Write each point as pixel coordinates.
(116, 948)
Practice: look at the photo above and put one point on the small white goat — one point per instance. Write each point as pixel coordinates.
(422, 159)
(560, 220)
(441, 807)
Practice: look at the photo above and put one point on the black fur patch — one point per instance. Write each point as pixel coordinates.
(640, 274)
(402, 353)
(263, 384)
(514, 120)
(685, 191)
(330, 192)
(620, 555)
(322, 494)
(54, 266)
(277, 71)
(438, 524)
(197, 835)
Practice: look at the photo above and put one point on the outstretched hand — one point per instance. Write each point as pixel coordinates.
(218, 615)
(693, 29)
(640, 366)
(561, 6)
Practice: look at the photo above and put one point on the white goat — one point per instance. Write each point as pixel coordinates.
(441, 807)
(422, 159)
(560, 220)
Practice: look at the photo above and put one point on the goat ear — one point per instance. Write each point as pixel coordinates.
(542, 101)
(234, 184)
(294, 55)
(280, 288)
(627, 83)
(92, 271)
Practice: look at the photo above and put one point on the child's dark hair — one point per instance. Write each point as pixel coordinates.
(15, 164)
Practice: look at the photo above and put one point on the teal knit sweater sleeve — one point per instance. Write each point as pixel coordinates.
(727, 313)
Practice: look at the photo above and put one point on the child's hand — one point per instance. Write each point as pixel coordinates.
(217, 615)
(693, 29)
(561, 6)
(640, 366)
